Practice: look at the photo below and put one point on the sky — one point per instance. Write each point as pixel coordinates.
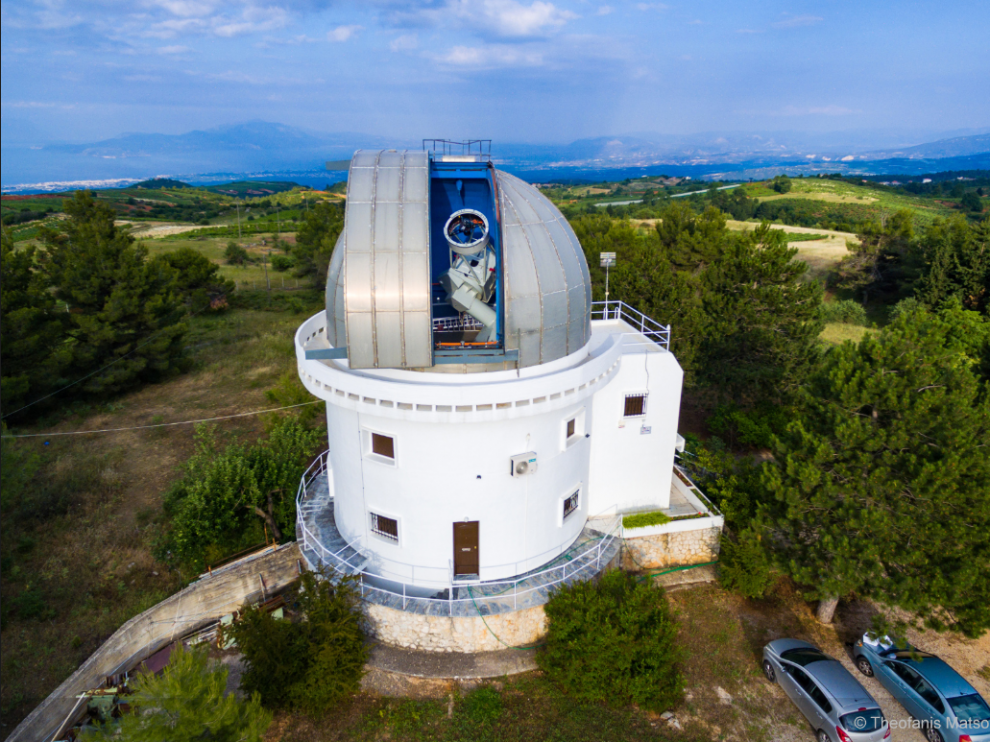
(511, 70)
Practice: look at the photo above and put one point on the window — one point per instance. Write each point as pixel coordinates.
(819, 697)
(382, 445)
(573, 429)
(571, 503)
(378, 447)
(635, 405)
(387, 528)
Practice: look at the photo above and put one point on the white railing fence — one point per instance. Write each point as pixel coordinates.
(615, 310)
(472, 596)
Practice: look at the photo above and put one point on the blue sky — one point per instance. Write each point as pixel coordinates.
(515, 70)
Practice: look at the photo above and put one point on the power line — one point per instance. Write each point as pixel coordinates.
(164, 425)
(99, 370)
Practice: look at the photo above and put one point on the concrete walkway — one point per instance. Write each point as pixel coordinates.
(408, 673)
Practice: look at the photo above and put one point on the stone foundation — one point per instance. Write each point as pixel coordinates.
(671, 549)
(457, 634)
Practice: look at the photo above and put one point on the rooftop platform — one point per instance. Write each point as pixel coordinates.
(322, 544)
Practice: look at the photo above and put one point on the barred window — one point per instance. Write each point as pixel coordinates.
(635, 405)
(387, 528)
(571, 504)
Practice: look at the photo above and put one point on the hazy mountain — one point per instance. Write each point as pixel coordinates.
(955, 147)
(278, 151)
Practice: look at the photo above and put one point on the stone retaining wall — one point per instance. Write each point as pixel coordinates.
(198, 605)
(675, 549)
(456, 634)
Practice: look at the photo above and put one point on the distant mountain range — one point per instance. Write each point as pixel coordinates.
(273, 150)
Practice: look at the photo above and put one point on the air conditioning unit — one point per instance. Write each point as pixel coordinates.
(523, 464)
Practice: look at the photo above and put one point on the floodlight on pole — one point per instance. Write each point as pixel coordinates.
(608, 260)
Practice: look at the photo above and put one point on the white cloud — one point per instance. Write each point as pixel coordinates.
(343, 33)
(798, 21)
(652, 6)
(500, 18)
(605, 10)
(174, 49)
(404, 43)
(748, 30)
(493, 55)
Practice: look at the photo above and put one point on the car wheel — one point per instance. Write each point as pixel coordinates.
(823, 736)
(932, 734)
(864, 666)
(769, 671)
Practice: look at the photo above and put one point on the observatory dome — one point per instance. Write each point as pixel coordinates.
(403, 293)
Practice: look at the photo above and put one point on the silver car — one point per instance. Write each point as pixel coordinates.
(948, 707)
(831, 699)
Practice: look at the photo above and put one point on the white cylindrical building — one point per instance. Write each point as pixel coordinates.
(462, 453)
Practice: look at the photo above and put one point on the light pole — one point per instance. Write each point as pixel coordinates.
(608, 260)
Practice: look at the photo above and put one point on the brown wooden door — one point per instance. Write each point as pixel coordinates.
(466, 548)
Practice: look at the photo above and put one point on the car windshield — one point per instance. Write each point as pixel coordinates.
(869, 720)
(804, 656)
(970, 708)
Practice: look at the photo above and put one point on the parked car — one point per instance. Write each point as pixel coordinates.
(948, 707)
(831, 699)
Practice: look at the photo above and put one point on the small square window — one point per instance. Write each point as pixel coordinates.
(387, 528)
(635, 405)
(571, 504)
(571, 427)
(382, 445)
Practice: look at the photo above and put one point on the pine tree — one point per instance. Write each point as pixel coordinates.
(316, 239)
(879, 487)
(188, 703)
(762, 323)
(957, 264)
(31, 330)
(124, 308)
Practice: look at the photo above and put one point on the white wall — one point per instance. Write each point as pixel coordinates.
(445, 473)
(630, 468)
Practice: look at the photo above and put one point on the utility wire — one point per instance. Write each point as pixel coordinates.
(164, 425)
(99, 370)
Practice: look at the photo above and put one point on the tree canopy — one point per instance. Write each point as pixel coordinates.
(879, 486)
(188, 702)
(316, 239)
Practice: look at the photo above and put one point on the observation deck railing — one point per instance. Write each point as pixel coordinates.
(615, 310)
(596, 547)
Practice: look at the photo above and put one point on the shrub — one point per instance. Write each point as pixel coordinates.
(613, 640)
(312, 664)
(235, 254)
(744, 565)
(642, 520)
(282, 263)
(904, 306)
(846, 311)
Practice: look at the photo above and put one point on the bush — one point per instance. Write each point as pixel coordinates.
(744, 565)
(313, 664)
(904, 306)
(235, 254)
(613, 640)
(846, 311)
(282, 263)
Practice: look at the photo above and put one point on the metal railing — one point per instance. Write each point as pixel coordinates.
(526, 590)
(452, 324)
(480, 148)
(618, 310)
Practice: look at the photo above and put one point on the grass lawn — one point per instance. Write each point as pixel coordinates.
(81, 564)
(837, 333)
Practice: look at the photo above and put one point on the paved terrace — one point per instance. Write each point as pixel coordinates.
(322, 544)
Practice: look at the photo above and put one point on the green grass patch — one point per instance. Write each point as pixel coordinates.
(644, 520)
(837, 333)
